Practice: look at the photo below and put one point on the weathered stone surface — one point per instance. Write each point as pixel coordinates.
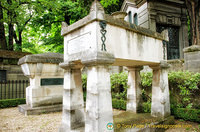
(42, 58)
(97, 57)
(176, 65)
(192, 61)
(192, 48)
(134, 91)
(73, 105)
(160, 106)
(27, 110)
(38, 67)
(119, 15)
(141, 122)
(99, 102)
(150, 14)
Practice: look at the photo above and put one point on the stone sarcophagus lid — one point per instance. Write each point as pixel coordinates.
(46, 79)
(131, 45)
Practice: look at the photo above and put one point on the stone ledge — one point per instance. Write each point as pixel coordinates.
(97, 57)
(27, 110)
(54, 58)
(138, 122)
(192, 48)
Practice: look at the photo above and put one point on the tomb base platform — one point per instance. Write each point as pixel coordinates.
(27, 110)
(141, 122)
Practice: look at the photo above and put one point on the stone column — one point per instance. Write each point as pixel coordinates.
(73, 116)
(160, 106)
(134, 91)
(99, 101)
(183, 36)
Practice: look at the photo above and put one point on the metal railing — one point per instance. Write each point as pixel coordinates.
(13, 89)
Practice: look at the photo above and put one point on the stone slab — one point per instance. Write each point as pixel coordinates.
(192, 61)
(54, 58)
(140, 122)
(124, 120)
(27, 110)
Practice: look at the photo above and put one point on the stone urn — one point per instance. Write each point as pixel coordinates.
(119, 15)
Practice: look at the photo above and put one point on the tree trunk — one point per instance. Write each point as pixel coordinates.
(10, 36)
(193, 11)
(10, 29)
(3, 43)
(19, 43)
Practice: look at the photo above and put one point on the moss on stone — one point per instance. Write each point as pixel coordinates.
(192, 48)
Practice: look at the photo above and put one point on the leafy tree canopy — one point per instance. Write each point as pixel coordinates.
(35, 25)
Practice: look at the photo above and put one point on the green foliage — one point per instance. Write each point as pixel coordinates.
(11, 102)
(146, 107)
(187, 114)
(183, 86)
(38, 22)
(119, 85)
(146, 78)
(111, 5)
(119, 104)
(84, 82)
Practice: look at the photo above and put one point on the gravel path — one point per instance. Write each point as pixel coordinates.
(11, 120)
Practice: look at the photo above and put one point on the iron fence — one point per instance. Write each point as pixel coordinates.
(13, 89)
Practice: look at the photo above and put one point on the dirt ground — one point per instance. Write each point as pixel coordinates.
(13, 121)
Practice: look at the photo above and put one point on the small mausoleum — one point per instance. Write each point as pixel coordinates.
(160, 15)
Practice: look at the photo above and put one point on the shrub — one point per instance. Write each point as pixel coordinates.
(119, 104)
(119, 85)
(11, 102)
(183, 87)
(187, 114)
(146, 79)
(84, 82)
(146, 107)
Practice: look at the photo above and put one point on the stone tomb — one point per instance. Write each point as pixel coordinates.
(96, 42)
(46, 83)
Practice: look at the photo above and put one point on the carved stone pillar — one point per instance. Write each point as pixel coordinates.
(99, 101)
(134, 91)
(73, 105)
(160, 106)
(183, 36)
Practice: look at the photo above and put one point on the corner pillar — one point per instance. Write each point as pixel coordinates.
(160, 106)
(73, 116)
(134, 91)
(98, 102)
(183, 36)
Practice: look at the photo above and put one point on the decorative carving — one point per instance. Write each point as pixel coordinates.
(64, 24)
(163, 100)
(103, 32)
(163, 85)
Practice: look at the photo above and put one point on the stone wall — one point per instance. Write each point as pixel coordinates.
(13, 72)
(176, 65)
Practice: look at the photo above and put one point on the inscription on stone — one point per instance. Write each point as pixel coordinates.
(51, 81)
(79, 43)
